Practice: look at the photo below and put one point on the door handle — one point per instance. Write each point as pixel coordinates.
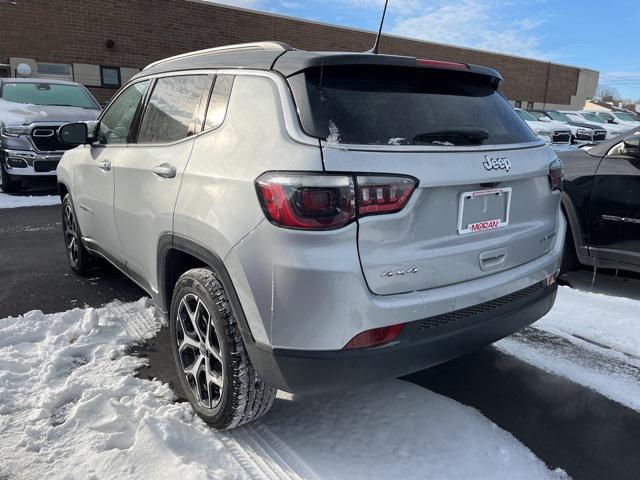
(105, 165)
(164, 170)
(493, 258)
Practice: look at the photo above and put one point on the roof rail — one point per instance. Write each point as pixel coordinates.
(227, 48)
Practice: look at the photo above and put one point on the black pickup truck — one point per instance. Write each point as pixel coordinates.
(31, 112)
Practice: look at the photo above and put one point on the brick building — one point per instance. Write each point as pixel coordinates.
(102, 44)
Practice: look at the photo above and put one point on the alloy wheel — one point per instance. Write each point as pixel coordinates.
(199, 350)
(70, 235)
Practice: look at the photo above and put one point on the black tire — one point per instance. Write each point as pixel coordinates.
(220, 354)
(78, 256)
(6, 184)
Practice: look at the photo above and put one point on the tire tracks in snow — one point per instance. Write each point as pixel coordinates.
(261, 454)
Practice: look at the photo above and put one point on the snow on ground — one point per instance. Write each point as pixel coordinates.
(15, 201)
(604, 319)
(591, 339)
(71, 407)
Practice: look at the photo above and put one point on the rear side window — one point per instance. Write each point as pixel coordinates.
(219, 101)
(169, 115)
(380, 105)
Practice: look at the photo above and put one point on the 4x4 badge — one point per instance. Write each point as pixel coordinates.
(395, 273)
(496, 163)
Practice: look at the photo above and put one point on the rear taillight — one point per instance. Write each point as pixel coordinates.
(383, 194)
(326, 201)
(556, 175)
(375, 337)
(304, 201)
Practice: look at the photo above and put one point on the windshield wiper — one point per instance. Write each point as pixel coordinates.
(455, 136)
(65, 105)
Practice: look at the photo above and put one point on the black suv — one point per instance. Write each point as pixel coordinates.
(601, 201)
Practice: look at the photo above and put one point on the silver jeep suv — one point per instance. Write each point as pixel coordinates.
(312, 221)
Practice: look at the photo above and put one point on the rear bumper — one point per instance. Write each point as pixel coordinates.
(303, 292)
(422, 344)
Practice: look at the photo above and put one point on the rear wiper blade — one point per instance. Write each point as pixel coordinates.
(456, 136)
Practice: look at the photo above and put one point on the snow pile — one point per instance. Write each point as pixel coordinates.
(15, 201)
(71, 408)
(591, 339)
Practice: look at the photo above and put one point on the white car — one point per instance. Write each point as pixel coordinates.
(590, 118)
(581, 132)
(548, 130)
(619, 118)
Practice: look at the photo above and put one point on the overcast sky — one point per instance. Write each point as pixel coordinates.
(598, 34)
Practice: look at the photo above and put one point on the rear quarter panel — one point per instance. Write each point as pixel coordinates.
(218, 205)
(579, 170)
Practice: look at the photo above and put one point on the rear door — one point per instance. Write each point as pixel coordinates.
(615, 210)
(148, 175)
(481, 206)
(94, 176)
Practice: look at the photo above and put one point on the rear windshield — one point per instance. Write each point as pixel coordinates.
(48, 94)
(380, 105)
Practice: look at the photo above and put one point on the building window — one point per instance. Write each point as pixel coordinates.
(54, 71)
(529, 105)
(109, 77)
(62, 69)
(518, 104)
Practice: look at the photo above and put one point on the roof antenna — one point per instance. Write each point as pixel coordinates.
(374, 50)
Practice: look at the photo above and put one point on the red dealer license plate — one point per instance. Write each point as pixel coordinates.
(483, 210)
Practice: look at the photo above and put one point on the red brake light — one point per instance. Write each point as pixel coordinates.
(323, 201)
(378, 194)
(307, 201)
(440, 64)
(375, 337)
(556, 175)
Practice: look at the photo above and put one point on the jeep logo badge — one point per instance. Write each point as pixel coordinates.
(496, 163)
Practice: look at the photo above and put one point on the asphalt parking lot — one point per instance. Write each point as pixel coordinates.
(564, 424)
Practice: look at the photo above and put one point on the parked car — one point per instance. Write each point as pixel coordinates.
(602, 204)
(595, 122)
(31, 112)
(581, 132)
(549, 131)
(299, 239)
(619, 118)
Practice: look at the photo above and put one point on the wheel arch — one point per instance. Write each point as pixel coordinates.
(176, 255)
(63, 189)
(574, 227)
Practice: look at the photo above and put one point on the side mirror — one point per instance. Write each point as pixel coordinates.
(545, 119)
(631, 146)
(74, 133)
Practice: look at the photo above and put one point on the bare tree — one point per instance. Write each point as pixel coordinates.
(606, 93)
